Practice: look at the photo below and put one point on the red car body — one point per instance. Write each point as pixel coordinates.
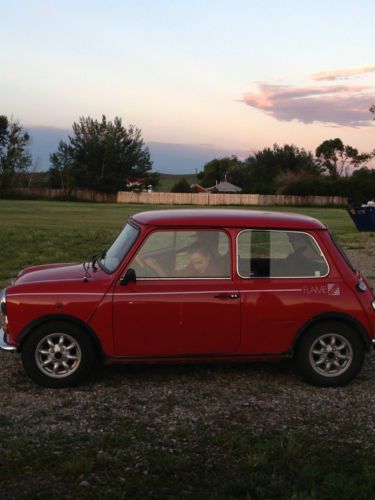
(184, 318)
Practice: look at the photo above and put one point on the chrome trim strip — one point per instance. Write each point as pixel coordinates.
(279, 277)
(137, 294)
(181, 278)
(3, 345)
(53, 293)
(74, 280)
(182, 292)
(161, 293)
(273, 290)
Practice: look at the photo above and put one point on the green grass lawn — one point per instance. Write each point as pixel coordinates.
(37, 232)
(215, 464)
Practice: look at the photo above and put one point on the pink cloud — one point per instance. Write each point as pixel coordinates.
(337, 105)
(342, 73)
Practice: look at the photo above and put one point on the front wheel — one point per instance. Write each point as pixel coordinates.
(330, 354)
(58, 354)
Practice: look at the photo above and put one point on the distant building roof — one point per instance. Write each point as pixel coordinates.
(225, 187)
(199, 189)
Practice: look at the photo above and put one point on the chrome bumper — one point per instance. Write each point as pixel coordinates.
(3, 345)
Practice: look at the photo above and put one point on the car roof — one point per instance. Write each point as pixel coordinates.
(226, 218)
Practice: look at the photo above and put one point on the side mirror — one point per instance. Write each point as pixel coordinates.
(129, 277)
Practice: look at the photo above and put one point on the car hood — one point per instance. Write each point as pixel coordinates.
(53, 272)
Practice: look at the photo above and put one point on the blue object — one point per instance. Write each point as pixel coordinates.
(363, 217)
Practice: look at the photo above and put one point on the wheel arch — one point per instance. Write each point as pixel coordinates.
(61, 317)
(336, 316)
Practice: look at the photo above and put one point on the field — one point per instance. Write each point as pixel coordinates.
(215, 431)
(167, 181)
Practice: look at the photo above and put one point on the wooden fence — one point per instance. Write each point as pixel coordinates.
(227, 199)
(209, 199)
(61, 194)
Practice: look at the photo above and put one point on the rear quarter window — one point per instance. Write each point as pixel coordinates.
(279, 254)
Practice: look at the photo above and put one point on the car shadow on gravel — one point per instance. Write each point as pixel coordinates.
(202, 371)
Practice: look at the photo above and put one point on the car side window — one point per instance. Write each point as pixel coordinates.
(184, 254)
(279, 254)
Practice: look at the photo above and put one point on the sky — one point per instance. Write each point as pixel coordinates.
(215, 76)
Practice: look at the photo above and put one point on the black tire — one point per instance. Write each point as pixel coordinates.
(330, 354)
(58, 354)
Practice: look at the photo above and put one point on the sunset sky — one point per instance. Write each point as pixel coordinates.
(233, 75)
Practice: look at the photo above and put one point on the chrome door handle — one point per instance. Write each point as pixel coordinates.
(227, 296)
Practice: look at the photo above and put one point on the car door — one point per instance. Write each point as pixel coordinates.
(174, 308)
(282, 281)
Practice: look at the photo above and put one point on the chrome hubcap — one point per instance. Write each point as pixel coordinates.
(331, 355)
(58, 355)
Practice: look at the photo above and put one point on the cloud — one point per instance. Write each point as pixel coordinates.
(336, 105)
(342, 74)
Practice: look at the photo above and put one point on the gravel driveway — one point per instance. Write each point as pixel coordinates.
(261, 393)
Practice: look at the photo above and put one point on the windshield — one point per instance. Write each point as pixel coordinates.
(120, 247)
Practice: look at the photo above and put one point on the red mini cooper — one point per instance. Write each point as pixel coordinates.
(180, 285)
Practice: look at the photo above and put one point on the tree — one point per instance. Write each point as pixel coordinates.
(182, 186)
(240, 175)
(103, 156)
(14, 156)
(62, 169)
(259, 173)
(267, 166)
(336, 158)
(215, 170)
(362, 184)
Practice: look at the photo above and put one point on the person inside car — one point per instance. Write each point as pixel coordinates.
(305, 260)
(202, 263)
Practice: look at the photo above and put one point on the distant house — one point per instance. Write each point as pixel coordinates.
(225, 187)
(198, 189)
(220, 187)
(137, 185)
(131, 183)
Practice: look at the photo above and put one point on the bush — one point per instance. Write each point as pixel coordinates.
(182, 186)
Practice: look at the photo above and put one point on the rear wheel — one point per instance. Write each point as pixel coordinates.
(330, 354)
(58, 354)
